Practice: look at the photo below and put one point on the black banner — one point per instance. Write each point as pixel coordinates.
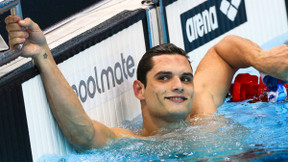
(47, 12)
(210, 20)
(286, 5)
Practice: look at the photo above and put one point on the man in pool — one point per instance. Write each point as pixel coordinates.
(165, 87)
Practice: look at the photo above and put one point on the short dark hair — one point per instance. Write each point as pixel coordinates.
(146, 63)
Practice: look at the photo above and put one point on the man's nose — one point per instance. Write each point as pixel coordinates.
(177, 85)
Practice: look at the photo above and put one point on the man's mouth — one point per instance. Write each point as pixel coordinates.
(176, 99)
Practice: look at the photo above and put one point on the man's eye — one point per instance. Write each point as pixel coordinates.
(186, 79)
(163, 78)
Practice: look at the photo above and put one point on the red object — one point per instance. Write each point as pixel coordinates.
(248, 86)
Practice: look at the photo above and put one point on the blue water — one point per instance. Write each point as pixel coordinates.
(239, 131)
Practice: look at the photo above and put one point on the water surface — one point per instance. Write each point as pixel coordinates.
(239, 131)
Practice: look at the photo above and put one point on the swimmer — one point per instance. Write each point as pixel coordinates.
(168, 92)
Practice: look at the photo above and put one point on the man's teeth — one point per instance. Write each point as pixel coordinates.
(176, 98)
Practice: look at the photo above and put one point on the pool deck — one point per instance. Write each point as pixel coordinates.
(77, 24)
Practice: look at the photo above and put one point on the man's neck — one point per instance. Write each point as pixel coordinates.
(152, 127)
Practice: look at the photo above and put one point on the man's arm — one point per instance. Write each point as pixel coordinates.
(77, 127)
(215, 72)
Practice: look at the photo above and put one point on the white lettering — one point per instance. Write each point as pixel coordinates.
(190, 30)
(213, 18)
(206, 18)
(201, 24)
(108, 78)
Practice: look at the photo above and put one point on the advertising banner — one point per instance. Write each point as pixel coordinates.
(101, 75)
(209, 20)
(199, 24)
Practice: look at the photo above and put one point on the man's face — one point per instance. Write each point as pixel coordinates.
(169, 90)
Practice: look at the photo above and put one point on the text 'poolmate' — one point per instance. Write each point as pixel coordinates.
(102, 80)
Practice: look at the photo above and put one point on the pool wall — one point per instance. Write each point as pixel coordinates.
(100, 65)
(257, 20)
(101, 75)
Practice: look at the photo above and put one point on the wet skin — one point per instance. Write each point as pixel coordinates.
(169, 90)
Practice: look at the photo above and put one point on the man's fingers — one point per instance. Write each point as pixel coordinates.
(19, 34)
(16, 41)
(12, 22)
(31, 25)
(12, 19)
(13, 27)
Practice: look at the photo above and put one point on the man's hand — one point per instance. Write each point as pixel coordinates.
(274, 62)
(27, 32)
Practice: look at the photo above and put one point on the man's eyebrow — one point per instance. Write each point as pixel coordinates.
(188, 74)
(170, 73)
(163, 73)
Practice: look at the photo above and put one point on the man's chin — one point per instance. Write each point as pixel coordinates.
(178, 115)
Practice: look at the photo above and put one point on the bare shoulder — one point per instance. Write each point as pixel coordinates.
(121, 132)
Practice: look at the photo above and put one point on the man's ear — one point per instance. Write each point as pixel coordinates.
(138, 88)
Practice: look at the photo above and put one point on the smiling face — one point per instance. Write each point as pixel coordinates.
(169, 91)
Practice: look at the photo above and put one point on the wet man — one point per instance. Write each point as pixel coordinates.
(166, 88)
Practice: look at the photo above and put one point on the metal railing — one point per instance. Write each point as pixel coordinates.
(15, 9)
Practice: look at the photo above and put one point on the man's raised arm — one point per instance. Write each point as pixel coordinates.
(215, 72)
(78, 128)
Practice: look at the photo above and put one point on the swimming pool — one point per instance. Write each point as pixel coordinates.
(239, 131)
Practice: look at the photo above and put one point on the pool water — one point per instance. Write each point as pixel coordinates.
(239, 131)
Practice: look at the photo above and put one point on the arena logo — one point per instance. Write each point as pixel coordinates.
(210, 20)
(103, 80)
